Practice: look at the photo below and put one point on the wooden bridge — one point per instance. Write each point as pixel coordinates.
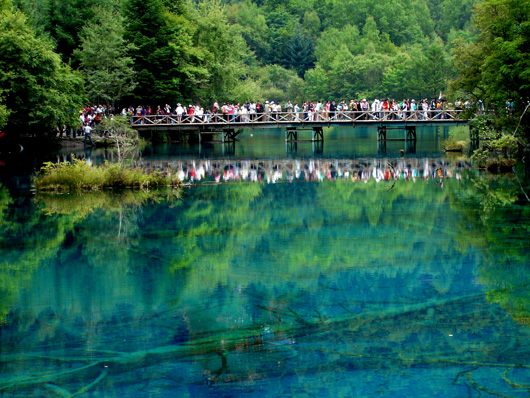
(228, 127)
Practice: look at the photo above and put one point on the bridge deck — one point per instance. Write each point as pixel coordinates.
(286, 120)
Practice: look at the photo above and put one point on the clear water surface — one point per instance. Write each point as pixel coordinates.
(345, 270)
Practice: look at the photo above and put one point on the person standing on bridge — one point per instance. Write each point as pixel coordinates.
(384, 109)
(425, 109)
(414, 109)
(215, 110)
(289, 110)
(267, 110)
(224, 113)
(376, 107)
(432, 108)
(259, 111)
(179, 111)
(296, 113)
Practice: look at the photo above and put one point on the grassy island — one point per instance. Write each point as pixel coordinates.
(80, 175)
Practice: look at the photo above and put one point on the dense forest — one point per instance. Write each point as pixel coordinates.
(57, 55)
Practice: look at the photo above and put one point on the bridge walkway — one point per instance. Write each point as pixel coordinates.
(230, 126)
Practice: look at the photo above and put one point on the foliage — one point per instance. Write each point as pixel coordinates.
(118, 126)
(495, 67)
(37, 88)
(4, 113)
(279, 84)
(253, 26)
(103, 55)
(499, 149)
(160, 50)
(218, 50)
(497, 154)
(299, 52)
(5, 202)
(80, 175)
(222, 54)
(64, 22)
(453, 144)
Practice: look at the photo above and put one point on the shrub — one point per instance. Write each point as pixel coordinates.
(80, 175)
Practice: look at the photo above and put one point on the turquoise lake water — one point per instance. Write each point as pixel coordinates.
(340, 271)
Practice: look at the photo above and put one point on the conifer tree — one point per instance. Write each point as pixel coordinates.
(104, 56)
(159, 51)
(299, 52)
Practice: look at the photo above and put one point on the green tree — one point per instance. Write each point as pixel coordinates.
(253, 25)
(432, 69)
(64, 23)
(279, 84)
(503, 46)
(311, 23)
(450, 15)
(298, 53)
(37, 11)
(281, 27)
(161, 52)
(104, 56)
(4, 112)
(221, 54)
(38, 90)
(496, 67)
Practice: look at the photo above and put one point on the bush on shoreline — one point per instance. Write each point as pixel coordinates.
(80, 175)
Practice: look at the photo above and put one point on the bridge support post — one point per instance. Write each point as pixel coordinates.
(229, 135)
(318, 134)
(291, 134)
(411, 133)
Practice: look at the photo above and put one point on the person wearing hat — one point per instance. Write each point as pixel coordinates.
(179, 111)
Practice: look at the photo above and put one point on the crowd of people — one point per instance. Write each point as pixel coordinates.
(256, 111)
(270, 111)
(386, 109)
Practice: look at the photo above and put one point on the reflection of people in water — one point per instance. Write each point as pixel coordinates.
(297, 170)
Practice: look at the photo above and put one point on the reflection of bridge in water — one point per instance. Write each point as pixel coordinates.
(298, 170)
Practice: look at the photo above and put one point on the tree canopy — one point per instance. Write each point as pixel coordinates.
(156, 51)
(37, 89)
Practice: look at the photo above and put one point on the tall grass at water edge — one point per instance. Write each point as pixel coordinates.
(79, 175)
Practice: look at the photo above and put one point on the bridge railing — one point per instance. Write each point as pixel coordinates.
(299, 117)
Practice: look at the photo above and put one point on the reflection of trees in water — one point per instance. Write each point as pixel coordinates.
(212, 282)
(280, 170)
(496, 215)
